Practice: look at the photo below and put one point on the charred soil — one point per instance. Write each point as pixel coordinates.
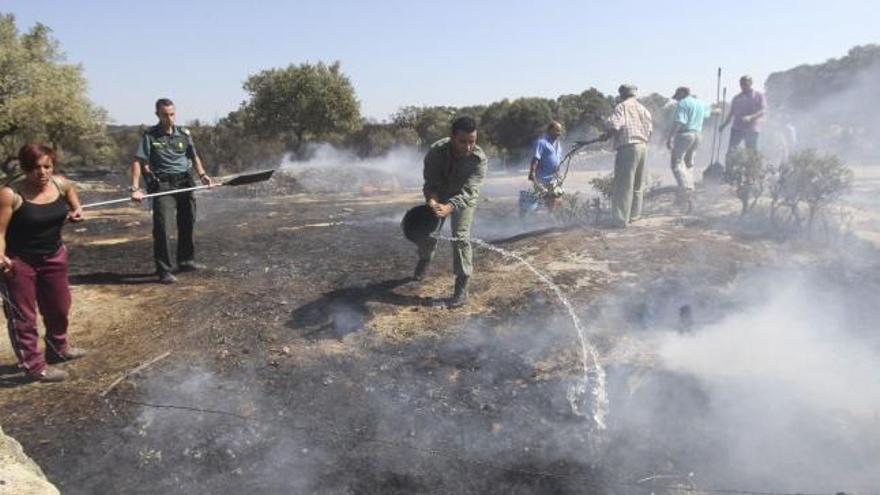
(304, 359)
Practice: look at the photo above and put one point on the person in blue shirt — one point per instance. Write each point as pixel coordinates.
(544, 167)
(683, 140)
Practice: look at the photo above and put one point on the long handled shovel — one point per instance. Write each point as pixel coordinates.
(717, 122)
(721, 119)
(715, 171)
(238, 180)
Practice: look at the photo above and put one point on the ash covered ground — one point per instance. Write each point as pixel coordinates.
(304, 360)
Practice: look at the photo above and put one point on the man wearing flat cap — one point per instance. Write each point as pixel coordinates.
(631, 126)
(683, 139)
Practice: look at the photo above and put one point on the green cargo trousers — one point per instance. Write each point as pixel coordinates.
(626, 196)
(462, 253)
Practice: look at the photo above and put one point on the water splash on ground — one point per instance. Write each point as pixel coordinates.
(594, 375)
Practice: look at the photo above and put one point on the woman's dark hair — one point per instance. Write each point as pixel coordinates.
(464, 124)
(30, 154)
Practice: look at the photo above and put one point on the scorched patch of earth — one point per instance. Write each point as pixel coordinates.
(304, 360)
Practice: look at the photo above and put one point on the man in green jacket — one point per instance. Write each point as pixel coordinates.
(454, 171)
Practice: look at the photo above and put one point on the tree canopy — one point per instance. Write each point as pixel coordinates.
(585, 110)
(299, 102)
(43, 98)
(429, 123)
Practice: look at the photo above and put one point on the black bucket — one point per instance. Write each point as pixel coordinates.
(419, 223)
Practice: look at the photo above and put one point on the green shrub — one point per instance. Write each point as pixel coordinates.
(746, 172)
(811, 180)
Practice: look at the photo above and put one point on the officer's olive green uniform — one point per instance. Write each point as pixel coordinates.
(170, 157)
(455, 181)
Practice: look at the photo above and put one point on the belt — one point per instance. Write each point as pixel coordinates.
(167, 177)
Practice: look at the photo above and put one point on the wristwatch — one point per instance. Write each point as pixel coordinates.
(133, 189)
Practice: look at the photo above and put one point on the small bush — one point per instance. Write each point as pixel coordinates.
(571, 209)
(811, 180)
(783, 194)
(604, 185)
(746, 172)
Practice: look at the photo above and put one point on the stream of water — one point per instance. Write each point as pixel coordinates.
(593, 379)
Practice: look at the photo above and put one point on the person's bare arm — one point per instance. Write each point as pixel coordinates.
(75, 211)
(532, 168)
(759, 113)
(7, 198)
(753, 116)
(200, 170)
(136, 193)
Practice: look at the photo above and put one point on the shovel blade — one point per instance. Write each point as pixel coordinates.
(250, 178)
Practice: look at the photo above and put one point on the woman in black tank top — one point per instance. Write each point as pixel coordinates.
(33, 260)
(35, 228)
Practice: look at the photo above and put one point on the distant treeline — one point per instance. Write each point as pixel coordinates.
(506, 129)
(43, 98)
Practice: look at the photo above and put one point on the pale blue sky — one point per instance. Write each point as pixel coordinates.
(454, 52)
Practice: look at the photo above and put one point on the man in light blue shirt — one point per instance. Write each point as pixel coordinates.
(544, 167)
(683, 139)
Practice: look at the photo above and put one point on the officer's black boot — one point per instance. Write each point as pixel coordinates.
(460, 296)
(421, 269)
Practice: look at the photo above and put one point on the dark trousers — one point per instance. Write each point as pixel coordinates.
(737, 137)
(37, 282)
(166, 209)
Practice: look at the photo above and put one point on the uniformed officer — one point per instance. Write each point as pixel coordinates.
(166, 156)
(454, 171)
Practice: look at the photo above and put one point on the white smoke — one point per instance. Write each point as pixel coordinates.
(838, 123)
(330, 169)
(790, 342)
(791, 382)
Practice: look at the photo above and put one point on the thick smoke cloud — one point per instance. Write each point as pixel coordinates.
(330, 169)
(834, 117)
(778, 393)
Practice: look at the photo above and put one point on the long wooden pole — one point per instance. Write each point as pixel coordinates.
(163, 193)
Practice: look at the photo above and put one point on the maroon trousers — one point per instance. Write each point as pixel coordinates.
(37, 281)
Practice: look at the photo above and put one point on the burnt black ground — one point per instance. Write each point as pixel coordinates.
(311, 285)
(274, 333)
